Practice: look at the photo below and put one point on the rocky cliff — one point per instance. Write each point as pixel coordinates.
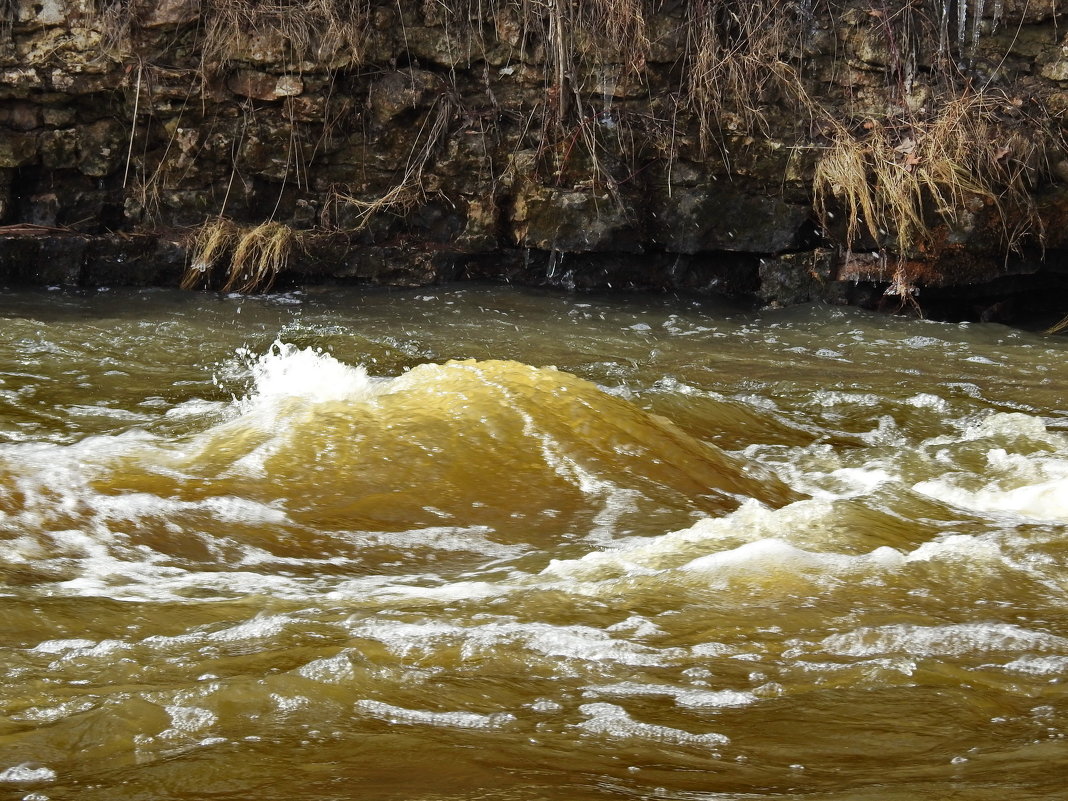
(857, 150)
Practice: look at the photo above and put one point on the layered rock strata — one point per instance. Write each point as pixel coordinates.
(852, 150)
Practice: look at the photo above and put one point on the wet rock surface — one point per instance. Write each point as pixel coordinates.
(417, 143)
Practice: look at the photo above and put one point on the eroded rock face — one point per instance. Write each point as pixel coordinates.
(723, 217)
(429, 144)
(258, 85)
(572, 221)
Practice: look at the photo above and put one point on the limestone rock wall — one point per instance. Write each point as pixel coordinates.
(713, 145)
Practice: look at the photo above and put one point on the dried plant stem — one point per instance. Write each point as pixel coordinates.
(261, 253)
(895, 180)
(211, 242)
(1056, 328)
(256, 255)
(406, 192)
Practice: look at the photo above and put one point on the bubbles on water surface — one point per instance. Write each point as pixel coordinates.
(27, 772)
(420, 717)
(546, 597)
(613, 721)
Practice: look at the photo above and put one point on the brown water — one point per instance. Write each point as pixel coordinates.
(484, 543)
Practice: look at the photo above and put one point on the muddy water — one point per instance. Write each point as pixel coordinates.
(482, 543)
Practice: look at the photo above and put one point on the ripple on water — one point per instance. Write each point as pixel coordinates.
(713, 554)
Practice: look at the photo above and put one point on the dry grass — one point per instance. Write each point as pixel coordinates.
(895, 181)
(1057, 328)
(310, 29)
(841, 182)
(894, 177)
(408, 191)
(621, 24)
(303, 29)
(256, 255)
(902, 288)
(210, 244)
(260, 254)
(736, 49)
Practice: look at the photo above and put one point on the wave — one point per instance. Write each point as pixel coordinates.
(323, 468)
(481, 442)
(451, 478)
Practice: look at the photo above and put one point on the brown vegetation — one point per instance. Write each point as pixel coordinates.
(256, 255)
(947, 147)
(894, 179)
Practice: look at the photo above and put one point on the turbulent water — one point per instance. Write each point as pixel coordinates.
(482, 543)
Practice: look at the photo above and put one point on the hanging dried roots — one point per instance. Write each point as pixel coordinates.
(256, 255)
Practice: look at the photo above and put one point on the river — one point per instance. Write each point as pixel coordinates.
(478, 542)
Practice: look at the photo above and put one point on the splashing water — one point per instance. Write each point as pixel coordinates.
(478, 543)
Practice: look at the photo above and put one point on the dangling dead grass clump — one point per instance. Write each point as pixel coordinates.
(256, 255)
(736, 49)
(895, 181)
(211, 242)
(310, 29)
(261, 253)
(408, 191)
(304, 29)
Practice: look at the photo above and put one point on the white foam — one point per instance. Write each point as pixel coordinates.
(851, 482)
(925, 400)
(1026, 471)
(763, 549)
(949, 640)
(27, 772)
(575, 642)
(195, 408)
(118, 415)
(827, 353)
(923, 342)
(636, 626)
(886, 432)
(1009, 425)
(335, 669)
(956, 547)
(404, 639)
(687, 697)
(776, 555)
(474, 539)
(187, 720)
(545, 705)
(261, 627)
(452, 591)
(1039, 665)
(62, 646)
(872, 667)
(50, 714)
(226, 508)
(1047, 500)
(103, 650)
(827, 397)
(648, 556)
(713, 649)
(714, 699)
(286, 704)
(580, 643)
(286, 371)
(614, 721)
(448, 720)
